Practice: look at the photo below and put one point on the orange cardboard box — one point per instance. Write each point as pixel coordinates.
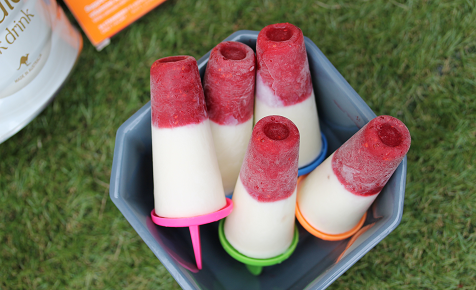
(101, 19)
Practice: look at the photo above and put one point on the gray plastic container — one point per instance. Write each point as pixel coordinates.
(316, 263)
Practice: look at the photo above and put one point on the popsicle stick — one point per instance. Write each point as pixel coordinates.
(255, 270)
(197, 249)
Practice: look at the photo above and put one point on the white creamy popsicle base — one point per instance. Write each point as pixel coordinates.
(303, 115)
(327, 205)
(201, 192)
(260, 229)
(231, 142)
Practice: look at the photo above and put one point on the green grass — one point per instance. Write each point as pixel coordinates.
(415, 60)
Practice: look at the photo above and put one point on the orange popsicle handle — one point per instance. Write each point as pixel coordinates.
(324, 236)
(321, 235)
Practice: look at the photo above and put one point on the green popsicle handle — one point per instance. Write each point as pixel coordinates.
(255, 266)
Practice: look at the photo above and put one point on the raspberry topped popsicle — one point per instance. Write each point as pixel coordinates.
(334, 197)
(284, 87)
(187, 180)
(261, 224)
(229, 87)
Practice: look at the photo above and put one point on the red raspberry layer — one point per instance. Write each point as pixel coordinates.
(176, 92)
(368, 159)
(282, 62)
(270, 168)
(229, 83)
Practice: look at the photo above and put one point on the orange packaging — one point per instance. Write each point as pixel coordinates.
(101, 19)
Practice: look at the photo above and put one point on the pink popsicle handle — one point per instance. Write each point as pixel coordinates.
(192, 221)
(193, 224)
(197, 249)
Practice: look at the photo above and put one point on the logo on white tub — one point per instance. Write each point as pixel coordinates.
(25, 43)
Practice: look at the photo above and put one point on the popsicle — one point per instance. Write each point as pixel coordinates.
(261, 224)
(284, 87)
(229, 86)
(187, 179)
(334, 197)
